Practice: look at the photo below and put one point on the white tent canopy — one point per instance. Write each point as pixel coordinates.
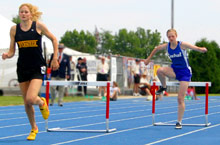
(5, 26)
(67, 50)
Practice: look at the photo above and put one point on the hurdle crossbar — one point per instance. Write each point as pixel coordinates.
(80, 83)
(196, 84)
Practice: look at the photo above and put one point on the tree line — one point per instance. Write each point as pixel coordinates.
(206, 66)
(139, 44)
(136, 44)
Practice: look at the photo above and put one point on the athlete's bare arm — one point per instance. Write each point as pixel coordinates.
(42, 29)
(185, 45)
(156, 49)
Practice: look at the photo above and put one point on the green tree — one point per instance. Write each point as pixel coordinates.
(89, 43)
(107, 41)
(80, 41)
(206, 66)
(136, 44)
(121, 42)
(16, 19)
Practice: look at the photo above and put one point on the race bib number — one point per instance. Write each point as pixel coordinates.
(43, 70)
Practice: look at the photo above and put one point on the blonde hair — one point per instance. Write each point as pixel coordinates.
(116, 84)
(172, 30)
(33, 10)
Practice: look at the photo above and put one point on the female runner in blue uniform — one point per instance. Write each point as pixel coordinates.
(31, 65)
(179, 69)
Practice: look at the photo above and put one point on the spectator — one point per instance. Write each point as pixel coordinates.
(60, 74)
(82, 67)
(114, 92)
(145, 86)
(102, 74)
(191, 92)
(72, 68)
(136, 74)
(108, 61)
(84, 60)
(160, 96)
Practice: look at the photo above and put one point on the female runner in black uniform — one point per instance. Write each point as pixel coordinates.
(31, 65)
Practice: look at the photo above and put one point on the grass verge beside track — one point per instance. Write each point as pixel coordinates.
(18, 100)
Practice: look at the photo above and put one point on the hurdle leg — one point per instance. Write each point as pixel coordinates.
(58, 129)
(47, 99)
(206, 104)
(107, 107)
(153, 104)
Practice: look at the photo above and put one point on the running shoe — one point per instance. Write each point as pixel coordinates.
(32, 134)
(134, 94)
(178, 125)
(44, 109)
(160, 91)
(138, 94)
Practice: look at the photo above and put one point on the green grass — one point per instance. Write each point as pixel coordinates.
(209, 94)
(11, 100)
(18, 100)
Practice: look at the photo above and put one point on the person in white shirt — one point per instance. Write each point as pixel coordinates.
(114, 92)
(136, 74)
(102, 74)
(145, 86)
(72, 68)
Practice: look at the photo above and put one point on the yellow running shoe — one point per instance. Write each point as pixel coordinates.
(32, 134)
(44, 109)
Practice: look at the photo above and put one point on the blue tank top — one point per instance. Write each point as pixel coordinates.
(178, 56)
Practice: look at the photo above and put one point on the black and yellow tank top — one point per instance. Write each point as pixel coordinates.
(29, 46)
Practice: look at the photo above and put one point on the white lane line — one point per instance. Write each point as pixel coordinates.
(85, 125)
(102, 104)
(130, 129)
(63, 109)
(5, 108)
(112, 108)
(24, 117)
(126, 119)
(75, 112)
(184, 134)
(74, 118)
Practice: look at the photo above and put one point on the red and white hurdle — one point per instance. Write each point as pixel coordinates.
(80, 83)
(195, 84)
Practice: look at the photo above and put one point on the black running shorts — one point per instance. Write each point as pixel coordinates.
(102, 77)
(29, 74)
(137, 79)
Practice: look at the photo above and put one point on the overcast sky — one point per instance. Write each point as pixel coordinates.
(194, 19)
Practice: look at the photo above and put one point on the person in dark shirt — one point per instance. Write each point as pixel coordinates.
(31, 65)
(82, 67)
(61, 74)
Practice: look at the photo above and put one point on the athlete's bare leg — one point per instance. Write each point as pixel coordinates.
(181, 95)
(30, 90)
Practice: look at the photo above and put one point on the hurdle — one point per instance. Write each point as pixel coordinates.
(195, 84)
(80, 83)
